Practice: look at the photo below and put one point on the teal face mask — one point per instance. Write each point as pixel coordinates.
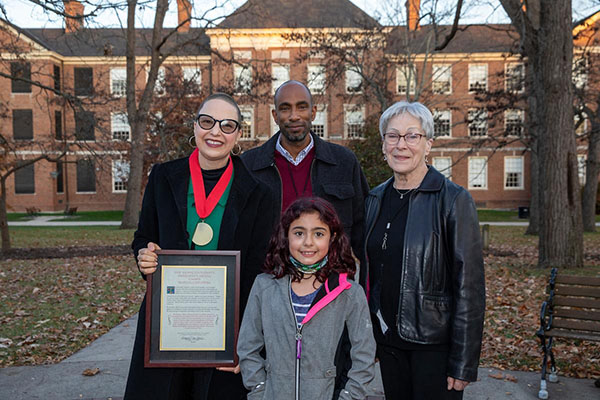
(308, 269)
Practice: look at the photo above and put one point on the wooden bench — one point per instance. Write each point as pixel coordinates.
(572, 311)
(32, 211)
(71, 211)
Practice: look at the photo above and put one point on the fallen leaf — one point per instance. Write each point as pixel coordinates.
(90, 371)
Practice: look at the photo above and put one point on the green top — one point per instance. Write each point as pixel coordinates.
(214, 219)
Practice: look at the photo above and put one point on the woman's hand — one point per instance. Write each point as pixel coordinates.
(235, 370)
(147, 259)
(456, 384)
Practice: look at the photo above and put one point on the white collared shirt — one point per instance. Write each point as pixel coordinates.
(300, 155)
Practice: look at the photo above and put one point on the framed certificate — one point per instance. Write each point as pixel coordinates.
(192, 303)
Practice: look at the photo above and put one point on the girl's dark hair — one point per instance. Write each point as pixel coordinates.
(225, 97)
(340, 258)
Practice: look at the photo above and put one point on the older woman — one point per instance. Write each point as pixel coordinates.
(208, 201)
(425, 267)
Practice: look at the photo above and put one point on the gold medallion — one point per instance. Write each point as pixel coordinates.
(203, 234)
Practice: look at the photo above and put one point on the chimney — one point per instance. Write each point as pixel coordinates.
(184, 15)
(73, 16)
(412, 12)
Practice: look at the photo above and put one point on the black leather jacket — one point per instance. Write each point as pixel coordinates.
(442, 292)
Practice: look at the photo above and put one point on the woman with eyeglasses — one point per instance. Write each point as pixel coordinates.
(425, 272)
(207, 201)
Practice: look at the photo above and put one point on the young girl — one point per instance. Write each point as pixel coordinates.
(297, 311)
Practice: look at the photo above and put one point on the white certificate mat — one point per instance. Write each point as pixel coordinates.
(193, 307)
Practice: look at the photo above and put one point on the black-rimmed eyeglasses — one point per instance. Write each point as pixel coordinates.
(227, 125)
(412, 139)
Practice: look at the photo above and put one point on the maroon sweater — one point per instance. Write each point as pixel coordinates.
(295, 180)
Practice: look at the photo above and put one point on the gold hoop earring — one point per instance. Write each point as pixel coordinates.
(190, 141)
(236, 151)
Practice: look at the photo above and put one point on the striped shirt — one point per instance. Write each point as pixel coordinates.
(301, 305)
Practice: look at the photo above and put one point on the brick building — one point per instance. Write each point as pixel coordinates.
(481, 140)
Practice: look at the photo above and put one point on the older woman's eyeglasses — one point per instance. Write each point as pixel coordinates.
(412, 139)
(226, 125)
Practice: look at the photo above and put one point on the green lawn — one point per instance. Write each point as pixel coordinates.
(498, 215)
(34, 236)
(83, 216)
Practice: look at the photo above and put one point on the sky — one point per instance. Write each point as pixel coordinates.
(25, 14)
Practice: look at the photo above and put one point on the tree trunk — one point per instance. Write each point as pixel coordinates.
(534, 203)
(561, 229)
(138, 113)
(592, 170)
(533, 124)
(3, 216)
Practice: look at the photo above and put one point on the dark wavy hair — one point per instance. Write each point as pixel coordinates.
(340, 258)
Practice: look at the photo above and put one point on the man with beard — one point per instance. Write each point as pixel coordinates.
(297, 163)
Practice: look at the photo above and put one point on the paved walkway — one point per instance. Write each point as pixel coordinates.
(111, 353)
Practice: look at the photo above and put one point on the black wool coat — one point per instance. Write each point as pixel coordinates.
(247, 223)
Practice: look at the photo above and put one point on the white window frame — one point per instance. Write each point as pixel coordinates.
(280, 73)
(473, 122)
(478, 79)
(446, 169)
(321, 114)
(316, 78)
(159, 87)
(119, 185)
(583, 127)
(436, 114)
(482, 171)
(353, 81)
(351, 111)
(441, 78)
(118, 82)
(581, 168)
(516, 168)
(247, 111)
(406, 79)
(510, 76)
(508, 120)
(580, 72)
(242, 79)
(119, 125)
(192, 74)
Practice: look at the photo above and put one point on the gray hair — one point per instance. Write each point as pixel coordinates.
(416, 109)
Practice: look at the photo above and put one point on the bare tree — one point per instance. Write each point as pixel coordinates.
(544, 28)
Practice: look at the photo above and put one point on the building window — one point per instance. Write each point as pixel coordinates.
(444, 165)
(406, 79)
(242, 76)
(56, 76)
(478, 78)
(192, 79)
(513, 172)
(86, 176)
(515, 77)
(478, 122)
(247, 122)
(319, 124)
(161, 78)
(581, 165)
(84, 81)
(580, 75)
(353, 81)
(316, 79)
(18, 71)
(281, 74)
(273, 124)
(120, 126)
(22, 124)
(84, 125)
(120, 175)
(580, 127)
(25, 180)
(118, 82)
(58, 125)
(354, 120)
(441, 77)
(60, 182)
(513, 122)
(442, 123)
(477, 172)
